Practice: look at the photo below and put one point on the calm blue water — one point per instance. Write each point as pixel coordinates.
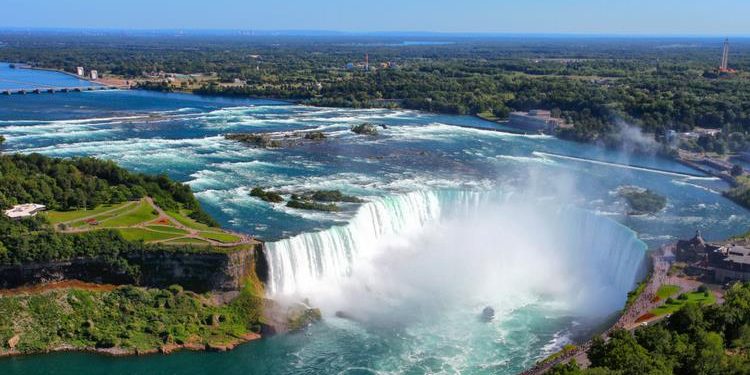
(421, 166)
(29, 79)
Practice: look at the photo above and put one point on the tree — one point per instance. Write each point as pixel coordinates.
(622, 353)
(709, 357)
(2, 140)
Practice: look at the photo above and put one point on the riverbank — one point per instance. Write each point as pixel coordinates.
(125, 320)
(126, 352)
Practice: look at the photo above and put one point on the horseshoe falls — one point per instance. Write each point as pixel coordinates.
(454, 219)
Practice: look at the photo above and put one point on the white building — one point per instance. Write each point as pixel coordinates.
(24, 210)
(94, 74)
(534, 120)
(79, 71)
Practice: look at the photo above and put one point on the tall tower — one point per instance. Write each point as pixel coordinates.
(725, 57)
(367, 62)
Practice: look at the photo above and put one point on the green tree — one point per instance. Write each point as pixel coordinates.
(622, 353)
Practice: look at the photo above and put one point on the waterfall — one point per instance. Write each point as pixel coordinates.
(308, 257)
(607, 254)
(600, 251)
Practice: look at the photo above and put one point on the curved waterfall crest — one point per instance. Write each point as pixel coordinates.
(603, 250)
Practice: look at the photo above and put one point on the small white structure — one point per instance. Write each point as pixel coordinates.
(79, 71)
(24, 210)
(94, 74)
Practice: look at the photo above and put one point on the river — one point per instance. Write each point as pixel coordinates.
(455, 219)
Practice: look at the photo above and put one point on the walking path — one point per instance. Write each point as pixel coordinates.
(162, 216)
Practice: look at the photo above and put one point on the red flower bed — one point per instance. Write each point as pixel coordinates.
(645, 317)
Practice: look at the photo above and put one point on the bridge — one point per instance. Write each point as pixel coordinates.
(28, 87)
(54, 89)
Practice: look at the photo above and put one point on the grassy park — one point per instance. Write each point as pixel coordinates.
(673, 304)
(142, 220)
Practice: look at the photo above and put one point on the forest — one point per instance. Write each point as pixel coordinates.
(695, 340)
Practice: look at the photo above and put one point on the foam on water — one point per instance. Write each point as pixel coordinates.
(439, 222)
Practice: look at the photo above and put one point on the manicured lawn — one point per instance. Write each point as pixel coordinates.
(135, 234)
(109, 215)
(164, 228)
(187, 241)
(56, 217)
(221, 237)
(666, 291)
(692, 297)
(183, 218)
(144, 212)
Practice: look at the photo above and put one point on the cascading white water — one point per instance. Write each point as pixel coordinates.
(606, 254)
(298, 262)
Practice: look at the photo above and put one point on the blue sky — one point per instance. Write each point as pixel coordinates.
(708, 17)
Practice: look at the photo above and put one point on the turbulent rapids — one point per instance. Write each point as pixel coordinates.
(456, 220)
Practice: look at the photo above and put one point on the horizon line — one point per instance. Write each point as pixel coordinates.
(332, 32)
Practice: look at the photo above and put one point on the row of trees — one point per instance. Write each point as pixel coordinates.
(695, 340)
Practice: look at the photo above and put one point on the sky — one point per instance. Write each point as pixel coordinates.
(650, 17)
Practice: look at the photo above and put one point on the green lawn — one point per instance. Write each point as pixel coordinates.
(56, 217)
(221, 237)
(187, 241)
(692, 297)
(135, 234)
(164, 228)
(183, 218)
(108, 215)
(143, 213)
(666, 291)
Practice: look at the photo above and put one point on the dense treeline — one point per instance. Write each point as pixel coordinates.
(695, 340)
(79, 183)
(596, 83)
(128, 318)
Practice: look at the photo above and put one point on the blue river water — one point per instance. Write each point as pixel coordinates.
(29, 79)
(456, 219)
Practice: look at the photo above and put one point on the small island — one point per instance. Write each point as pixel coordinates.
(365, 129)
(317, 200)
(642, 201)
(260, 140)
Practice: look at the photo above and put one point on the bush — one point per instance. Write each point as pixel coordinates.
(308, 205)
(268, 196)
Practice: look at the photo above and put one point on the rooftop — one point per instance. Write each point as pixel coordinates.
(737, 254)
(24, 210)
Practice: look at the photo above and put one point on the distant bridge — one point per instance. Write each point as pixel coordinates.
(31, 87)
(54, 89)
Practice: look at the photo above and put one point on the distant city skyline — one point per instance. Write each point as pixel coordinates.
(634, 17)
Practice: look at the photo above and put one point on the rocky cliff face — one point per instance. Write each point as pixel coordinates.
(199, 272)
